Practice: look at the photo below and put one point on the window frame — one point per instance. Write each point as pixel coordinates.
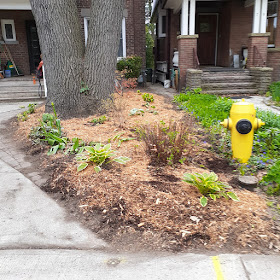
(86, 23)
(275, 17)
(162, 13)
(4, 35)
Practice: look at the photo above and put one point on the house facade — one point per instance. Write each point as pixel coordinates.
(238, 34)
(19, 33)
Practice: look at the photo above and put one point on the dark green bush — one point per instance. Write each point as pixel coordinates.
(131, 66)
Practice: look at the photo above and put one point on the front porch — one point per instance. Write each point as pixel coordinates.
(231, 34)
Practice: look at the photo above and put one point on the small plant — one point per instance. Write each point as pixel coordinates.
(50, 131)
(84, 88)
(166, 143)
(148, 97)
(274, 89)
(99, 120)
(98, 155)
(76, 147)
(136, 111)
(208, 185)
(24, 116)
(119, 139)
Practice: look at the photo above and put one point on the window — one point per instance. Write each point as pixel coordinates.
(162, 23)
(122, 45)
(8, 30)
(271, 22)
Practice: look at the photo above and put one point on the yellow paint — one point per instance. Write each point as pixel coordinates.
(217, 267)
(242, 144)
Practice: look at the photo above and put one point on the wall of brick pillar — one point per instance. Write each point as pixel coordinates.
(259, 40)
(273, 61)
(186, 44)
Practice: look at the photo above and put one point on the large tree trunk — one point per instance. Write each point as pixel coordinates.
(65, 60)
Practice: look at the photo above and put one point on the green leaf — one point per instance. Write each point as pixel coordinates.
(213, 196)
(53, 150)
(89, 149)
(97, 169)
(203, 201)
(233, 196)
(97, 146)
(122, 160)
(82, 166)
(107, 147)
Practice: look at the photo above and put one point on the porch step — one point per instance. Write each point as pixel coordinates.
(233, 85)
(231, 91)
(228, 78)
(18, 94)
(228, 81)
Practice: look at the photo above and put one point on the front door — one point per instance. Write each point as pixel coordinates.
(33, 45)
(206, 28)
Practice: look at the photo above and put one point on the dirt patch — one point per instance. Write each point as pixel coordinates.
(140, 206)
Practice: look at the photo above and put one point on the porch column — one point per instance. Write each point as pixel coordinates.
(187, 45)
(192, 17)
(258, 40)
(185, 18)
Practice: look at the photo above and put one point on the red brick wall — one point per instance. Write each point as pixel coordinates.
(241, 26)
(261, 43)
(186, 46)
(273, 61)
(135, 28)
(19, 51)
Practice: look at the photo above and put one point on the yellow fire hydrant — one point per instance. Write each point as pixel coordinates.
(242, 123)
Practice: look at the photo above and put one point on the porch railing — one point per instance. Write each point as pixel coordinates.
(257, 58)
(196, 63)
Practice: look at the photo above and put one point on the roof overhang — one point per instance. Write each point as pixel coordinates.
(15, 5)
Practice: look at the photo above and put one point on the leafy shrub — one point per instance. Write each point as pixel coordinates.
(131, 66)
(49, 131)
(208, 185)
(273, 176)
(166, 143)
(274, 89)
(148, 97)
(97, 154)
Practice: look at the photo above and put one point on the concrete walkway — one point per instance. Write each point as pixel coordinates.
(38, 240)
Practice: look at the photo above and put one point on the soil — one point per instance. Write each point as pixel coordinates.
(147, 206)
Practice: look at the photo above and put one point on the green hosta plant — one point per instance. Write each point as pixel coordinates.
(136, 111)
(273, 176)
(208, 185)
(148, 97)
(99, 120)
(98, 155)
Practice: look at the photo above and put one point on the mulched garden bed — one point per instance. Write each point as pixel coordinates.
(147, 206)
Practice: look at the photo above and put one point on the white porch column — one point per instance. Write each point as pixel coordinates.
(185, 18)
(192, 17)
(263, 16)
(257, 16)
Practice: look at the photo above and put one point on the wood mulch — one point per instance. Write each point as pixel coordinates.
(143, 206)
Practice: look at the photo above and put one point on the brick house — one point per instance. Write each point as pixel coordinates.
(208, 39)
(18, 30)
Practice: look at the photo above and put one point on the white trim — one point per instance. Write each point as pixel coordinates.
(124, 36)
(161, 14)
(45, 83)
(86, 19)
(11, 22)
(15, 7)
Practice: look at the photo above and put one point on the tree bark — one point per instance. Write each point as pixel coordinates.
(67, 64)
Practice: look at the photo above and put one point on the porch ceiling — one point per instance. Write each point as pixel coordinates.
(15, 5)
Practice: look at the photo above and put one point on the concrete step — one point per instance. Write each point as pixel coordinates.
(231, 91)
(19, 94)
(228, 79)
(223, 85)
(225, 73)
(22, 99)
(19, 84)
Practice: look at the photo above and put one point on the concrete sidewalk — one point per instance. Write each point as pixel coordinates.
(38, 240)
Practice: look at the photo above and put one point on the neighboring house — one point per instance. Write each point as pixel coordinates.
(206, 35)
(20, 34)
